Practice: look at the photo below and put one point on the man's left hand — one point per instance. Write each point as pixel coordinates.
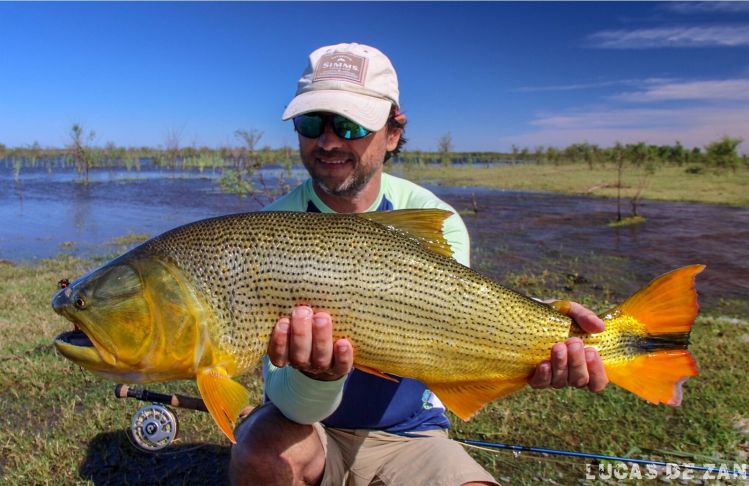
(571, 364)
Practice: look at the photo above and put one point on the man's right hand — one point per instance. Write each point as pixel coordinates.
(305, 341)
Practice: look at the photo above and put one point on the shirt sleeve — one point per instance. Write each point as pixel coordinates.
(300, 398)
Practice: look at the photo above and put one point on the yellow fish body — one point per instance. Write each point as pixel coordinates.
(200, 301)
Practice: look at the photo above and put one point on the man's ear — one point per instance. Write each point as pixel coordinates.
(394, 132)
(394, 136)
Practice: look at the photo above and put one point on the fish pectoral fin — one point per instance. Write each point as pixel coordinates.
(464, 399)
(224, 398)
(378, 373)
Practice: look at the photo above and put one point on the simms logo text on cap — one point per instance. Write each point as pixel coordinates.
(342, 66)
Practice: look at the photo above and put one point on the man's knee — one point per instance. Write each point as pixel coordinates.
(271, 449)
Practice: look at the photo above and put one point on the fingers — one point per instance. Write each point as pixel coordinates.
(278, 345)
(559, 365)
(583, 317)
(571, 364)
(343, 361)
(300, 337)
(541, 377)
(598, 377)
(306, 342)
(577, 368)
(322, 342)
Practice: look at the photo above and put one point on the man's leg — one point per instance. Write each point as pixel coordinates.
(272, 449)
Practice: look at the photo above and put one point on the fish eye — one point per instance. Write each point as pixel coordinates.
(80, 303)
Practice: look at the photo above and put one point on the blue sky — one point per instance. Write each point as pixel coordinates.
(493, 74)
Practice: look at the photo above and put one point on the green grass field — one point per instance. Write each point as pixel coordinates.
(62, 425)
(668, 183)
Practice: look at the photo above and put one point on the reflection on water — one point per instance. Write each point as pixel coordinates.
(513, 231)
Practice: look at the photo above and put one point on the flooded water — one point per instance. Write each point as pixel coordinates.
(44, 214)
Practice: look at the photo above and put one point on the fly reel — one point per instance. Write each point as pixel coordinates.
(153, 427)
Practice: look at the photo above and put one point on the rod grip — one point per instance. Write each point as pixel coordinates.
(175, 400)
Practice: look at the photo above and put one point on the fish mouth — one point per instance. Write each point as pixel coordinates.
(78, 347)
(75, 338)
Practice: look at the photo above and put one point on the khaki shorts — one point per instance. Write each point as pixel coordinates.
(363, 457)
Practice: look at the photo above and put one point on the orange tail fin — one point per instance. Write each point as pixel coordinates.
(667, 308)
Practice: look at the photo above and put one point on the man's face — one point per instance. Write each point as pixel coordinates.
(343, 167)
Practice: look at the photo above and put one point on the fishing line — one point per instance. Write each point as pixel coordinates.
(516, 449)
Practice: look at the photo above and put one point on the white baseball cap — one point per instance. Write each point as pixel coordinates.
(352, 80)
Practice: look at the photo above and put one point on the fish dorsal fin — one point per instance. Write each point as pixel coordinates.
(464, 399)
(421, 225)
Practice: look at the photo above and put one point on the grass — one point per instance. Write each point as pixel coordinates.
(668, 183)
(62, 425)
(628, 221)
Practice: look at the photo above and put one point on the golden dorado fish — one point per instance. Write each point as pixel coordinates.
(200, 302)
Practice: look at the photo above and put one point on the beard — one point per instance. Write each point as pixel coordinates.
(352, 185)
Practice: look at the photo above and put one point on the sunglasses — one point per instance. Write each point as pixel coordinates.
(312, 125)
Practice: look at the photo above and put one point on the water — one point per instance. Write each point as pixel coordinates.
(44, 214)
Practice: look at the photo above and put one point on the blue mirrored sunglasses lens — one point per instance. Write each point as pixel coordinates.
(310, 126)
(348, 129)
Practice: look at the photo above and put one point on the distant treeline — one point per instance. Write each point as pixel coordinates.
(719, 155)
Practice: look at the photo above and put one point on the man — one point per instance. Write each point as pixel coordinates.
(323, 422)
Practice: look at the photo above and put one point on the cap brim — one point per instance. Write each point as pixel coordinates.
(367, 111)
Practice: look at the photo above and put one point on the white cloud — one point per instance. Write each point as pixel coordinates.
(593, 85)
(692, 126)
(679, 36)
(706, 7)
(572, 87)
(714, 90)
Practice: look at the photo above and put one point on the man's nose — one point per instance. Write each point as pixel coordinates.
(328, 140)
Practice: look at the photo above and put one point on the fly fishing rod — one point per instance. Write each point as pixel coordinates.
(154, 427)
(516, 448)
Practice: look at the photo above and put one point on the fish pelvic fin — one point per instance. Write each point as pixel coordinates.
(659, 362)
(421, 225)
(465, 399)
(224, 398)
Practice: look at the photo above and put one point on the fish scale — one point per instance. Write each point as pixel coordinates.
(270, 262)
(200, 301)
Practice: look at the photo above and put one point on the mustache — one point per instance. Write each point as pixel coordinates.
(339, 154)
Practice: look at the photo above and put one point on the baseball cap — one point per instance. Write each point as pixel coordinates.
(353, 80)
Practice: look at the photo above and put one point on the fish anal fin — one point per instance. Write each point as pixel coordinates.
(656, 377)
(378, 373)
(422, 225)
(224, 398)
(668, 304)
(465, 399)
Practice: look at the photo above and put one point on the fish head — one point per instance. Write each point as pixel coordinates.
(136, 320)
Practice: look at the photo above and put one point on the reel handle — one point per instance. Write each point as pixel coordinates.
(175, 400)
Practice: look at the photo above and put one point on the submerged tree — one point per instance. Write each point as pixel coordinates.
(642, 156)
(79, 150)
(616, 155)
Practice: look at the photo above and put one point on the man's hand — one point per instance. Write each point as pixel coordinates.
(571, 364)
(306, 342)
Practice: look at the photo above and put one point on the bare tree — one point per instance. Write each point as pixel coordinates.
(79, 150)
(172, 142)
(444, 147)
(445, 143)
